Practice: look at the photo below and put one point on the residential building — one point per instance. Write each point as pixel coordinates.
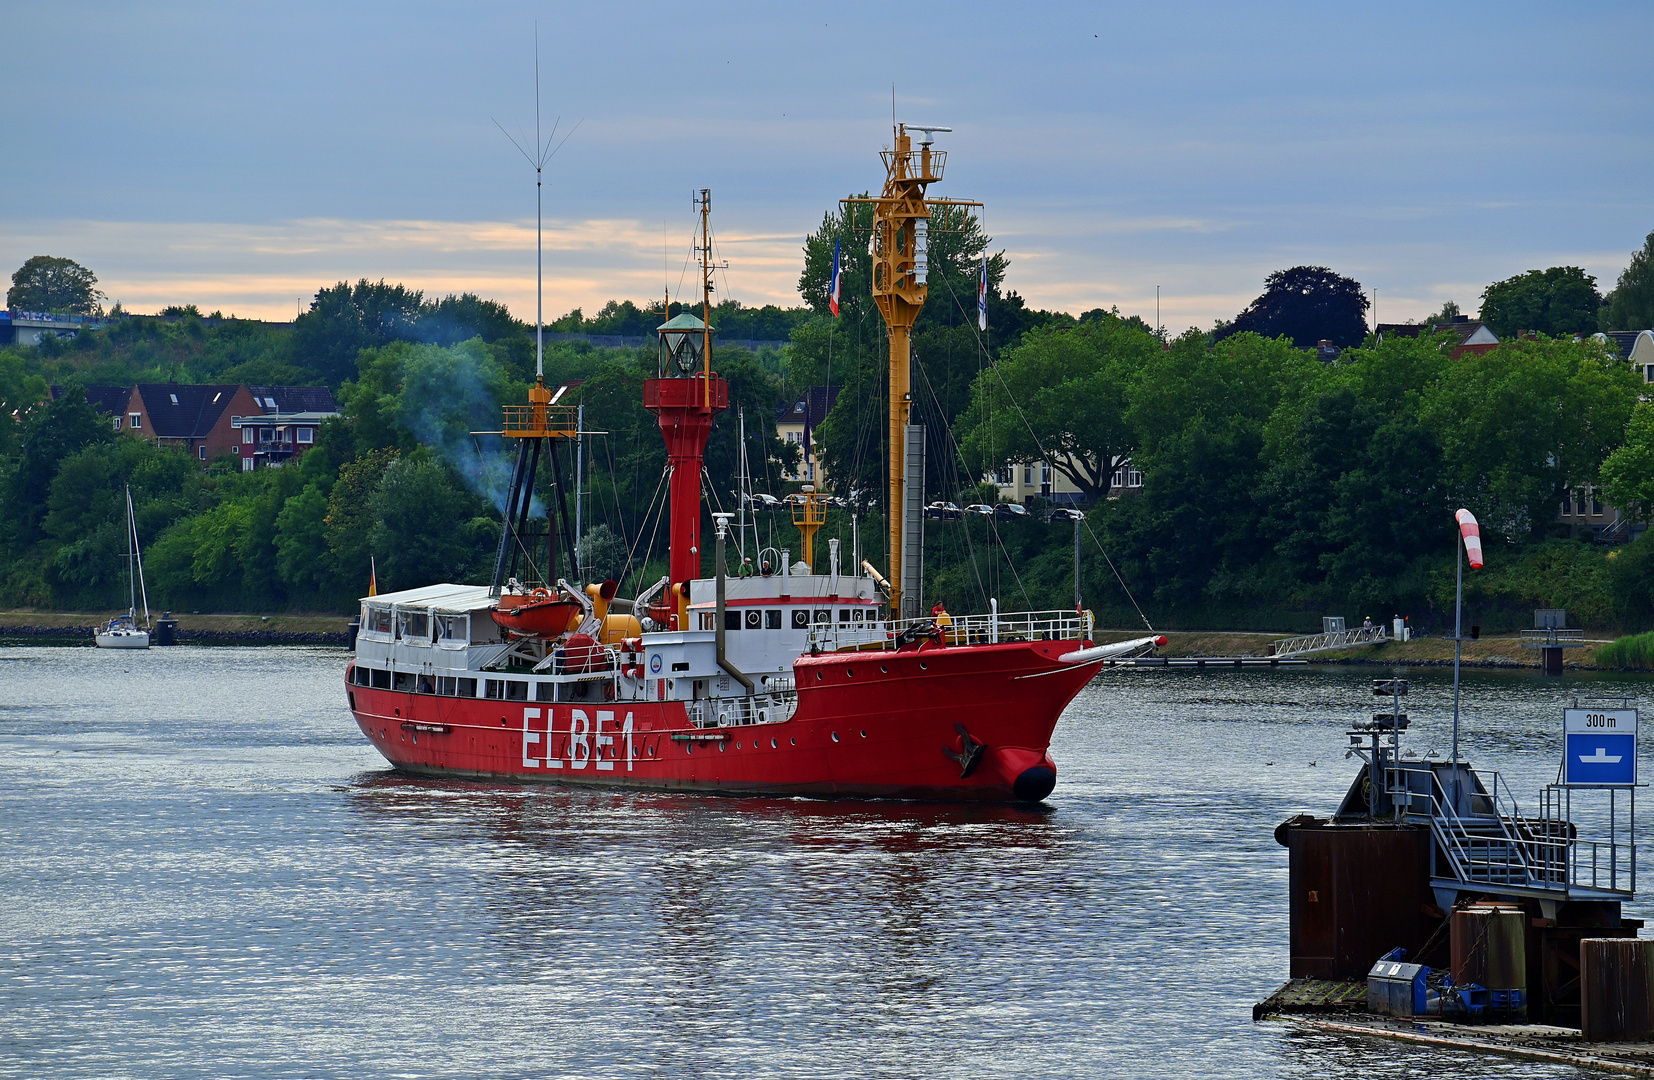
(286, 425)
(1636, 346)
(1474, 336)
(1028, 481)
(796, 423)
(261, 426)
(195, 419)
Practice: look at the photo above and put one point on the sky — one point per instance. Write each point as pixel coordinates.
(240, 157)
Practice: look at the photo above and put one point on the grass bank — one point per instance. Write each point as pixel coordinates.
(1501, 651)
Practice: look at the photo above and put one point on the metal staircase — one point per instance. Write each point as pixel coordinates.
(1483, 842)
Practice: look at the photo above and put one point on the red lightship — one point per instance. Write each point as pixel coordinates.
(795, 682)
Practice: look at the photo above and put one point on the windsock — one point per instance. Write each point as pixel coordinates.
(1472, 534)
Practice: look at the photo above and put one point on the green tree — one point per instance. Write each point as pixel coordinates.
(1518, 426)
(1069, 385)
(1200, 416)
(350, 517)
(1560, 301)
(1307, 304)
(20, 391)
(301, 543)
(345, 319)
(425, 525)
(53, 433)
(851, 351)
(1631, 305)
(1628, 472)
(48, 283)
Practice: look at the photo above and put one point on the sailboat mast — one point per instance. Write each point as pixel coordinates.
(131, 555)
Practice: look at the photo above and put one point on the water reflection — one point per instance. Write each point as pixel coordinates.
(209, 873)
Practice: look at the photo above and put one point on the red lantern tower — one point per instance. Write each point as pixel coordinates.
(685, 395)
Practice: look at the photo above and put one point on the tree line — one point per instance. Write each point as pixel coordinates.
(1275, 486)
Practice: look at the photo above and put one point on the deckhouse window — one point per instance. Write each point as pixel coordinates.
(772, 618)
(453, 629)
(801, 618)
(414, 627)
(379, 619)
(467, 688)
(516, 690)
(732, 620)
(755, 619)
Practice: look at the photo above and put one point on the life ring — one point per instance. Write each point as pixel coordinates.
(540, 594)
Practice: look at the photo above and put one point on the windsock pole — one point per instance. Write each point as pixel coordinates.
(1470, 539)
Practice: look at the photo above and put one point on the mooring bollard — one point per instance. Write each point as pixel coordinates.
(1616, 989)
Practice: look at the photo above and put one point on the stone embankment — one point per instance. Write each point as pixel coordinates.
(67, 626)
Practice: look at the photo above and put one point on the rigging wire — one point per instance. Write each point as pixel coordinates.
(1040, 446)
(645, 523)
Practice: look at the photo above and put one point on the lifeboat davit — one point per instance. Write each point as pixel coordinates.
(538, 614)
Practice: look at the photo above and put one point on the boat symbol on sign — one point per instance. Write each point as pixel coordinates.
(1601, 757)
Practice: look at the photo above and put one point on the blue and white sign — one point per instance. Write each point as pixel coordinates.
(1599, 747)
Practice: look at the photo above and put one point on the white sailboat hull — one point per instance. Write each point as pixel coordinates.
(122, 639)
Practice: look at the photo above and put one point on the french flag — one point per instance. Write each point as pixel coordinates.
(832, 297)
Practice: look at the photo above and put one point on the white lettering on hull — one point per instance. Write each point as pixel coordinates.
(587, 740)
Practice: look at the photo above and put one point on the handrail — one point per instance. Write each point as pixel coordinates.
(1056, 625)
(1501, 847)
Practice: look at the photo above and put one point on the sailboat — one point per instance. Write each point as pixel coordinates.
(122, 631)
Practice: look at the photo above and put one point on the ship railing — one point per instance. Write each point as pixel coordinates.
(770, 708)
(991, 629)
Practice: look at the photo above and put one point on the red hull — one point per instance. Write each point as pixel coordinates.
(872, 724)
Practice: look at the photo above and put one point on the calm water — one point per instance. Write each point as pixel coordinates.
(207, 873)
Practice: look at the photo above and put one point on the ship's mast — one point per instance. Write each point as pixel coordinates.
(685, 395)
(901, 223)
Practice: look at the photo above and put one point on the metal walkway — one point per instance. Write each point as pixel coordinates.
(1316, 643)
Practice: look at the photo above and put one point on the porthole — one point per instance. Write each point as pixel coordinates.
(818, 676)
(651, 751)
(720, 746)
(689, 748)
(835, 736)
(864, 734)
(793, 741)
(774, 745)
(737, 746)
(923, 666)
(849, 673)
(884, 669)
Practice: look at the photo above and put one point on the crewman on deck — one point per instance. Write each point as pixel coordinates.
(944, 621)
(746, 566)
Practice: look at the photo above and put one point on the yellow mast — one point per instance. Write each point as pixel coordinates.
(901, 220)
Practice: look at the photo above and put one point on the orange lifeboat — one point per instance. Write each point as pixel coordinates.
(539, 614)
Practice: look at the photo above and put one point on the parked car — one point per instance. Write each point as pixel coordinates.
(1010, 512)
(1065, 513)
(979, 508)
(761, 501)
(943, 511)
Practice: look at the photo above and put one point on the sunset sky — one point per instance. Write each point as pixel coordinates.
(241, 158)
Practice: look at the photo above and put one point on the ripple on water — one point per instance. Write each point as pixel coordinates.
(208, 873)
